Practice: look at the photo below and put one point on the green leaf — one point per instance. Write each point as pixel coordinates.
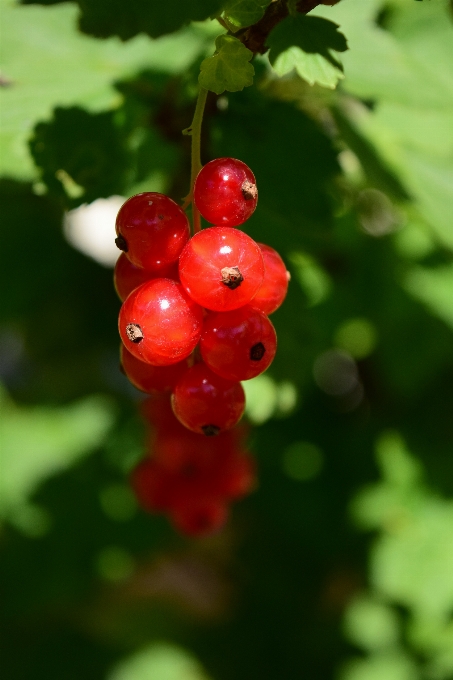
(308, 45)
(243, 13)
(49, 63)
(433, 287)
(105, 18)
(411, 128)
(81, 155)
(229, 68)
(389, 665)
(159, 660)
(409, 64)
(43, 441)
(371, 624)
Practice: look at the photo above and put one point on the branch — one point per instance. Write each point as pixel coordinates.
(254, 37)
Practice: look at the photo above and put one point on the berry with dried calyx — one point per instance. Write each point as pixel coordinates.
(225, 192)
(159, 323)
(221, 268)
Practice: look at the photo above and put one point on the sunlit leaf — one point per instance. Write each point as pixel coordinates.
(434, 288)
(49, 63)
(163, 661)
(229, 68)
(43, 441)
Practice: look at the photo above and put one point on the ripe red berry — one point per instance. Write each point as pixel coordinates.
(157, 411)
(152, 230)
(200, 517)
(127, 276)
(238, 475)
(152, 486)
(225, 192)
(275, 283)
(206, 403)
(221, 268)
(148, 378)
(238, 345)
(159, 323)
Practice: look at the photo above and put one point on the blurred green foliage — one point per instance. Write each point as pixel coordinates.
(352, 423)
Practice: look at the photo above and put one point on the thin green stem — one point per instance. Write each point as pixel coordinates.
(195, 132)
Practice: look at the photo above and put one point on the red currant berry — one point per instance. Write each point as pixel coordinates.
(152, 486)
(201, 517)
(275, 283)
(157, 411)
(148, 378)
(238, 476)
(206, 403)
(238, 345)
(127, 276)
(187, 454)
(225, 192)
(152, 230)
(159, 323)
(221, 268)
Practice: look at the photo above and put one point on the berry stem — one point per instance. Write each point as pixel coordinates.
(195, 132)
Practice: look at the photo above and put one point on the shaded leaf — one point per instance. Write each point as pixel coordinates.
(308, 45)
(242, 13)
(51, 64)
(105, 18)
(81, 155)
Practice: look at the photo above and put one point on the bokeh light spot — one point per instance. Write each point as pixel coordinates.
(357, 336)
(114, 563)
(302, 461)
(118, 502)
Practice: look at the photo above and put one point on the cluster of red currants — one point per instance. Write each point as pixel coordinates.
(185, 477)
(194, 320)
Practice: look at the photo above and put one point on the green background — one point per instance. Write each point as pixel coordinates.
(340, 564)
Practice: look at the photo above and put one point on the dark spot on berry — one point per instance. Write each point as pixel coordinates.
(161, 217)
(210, 430)
(121, 243)
(249, 191)
(134, 332)
(231, 277)
(257, 351)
